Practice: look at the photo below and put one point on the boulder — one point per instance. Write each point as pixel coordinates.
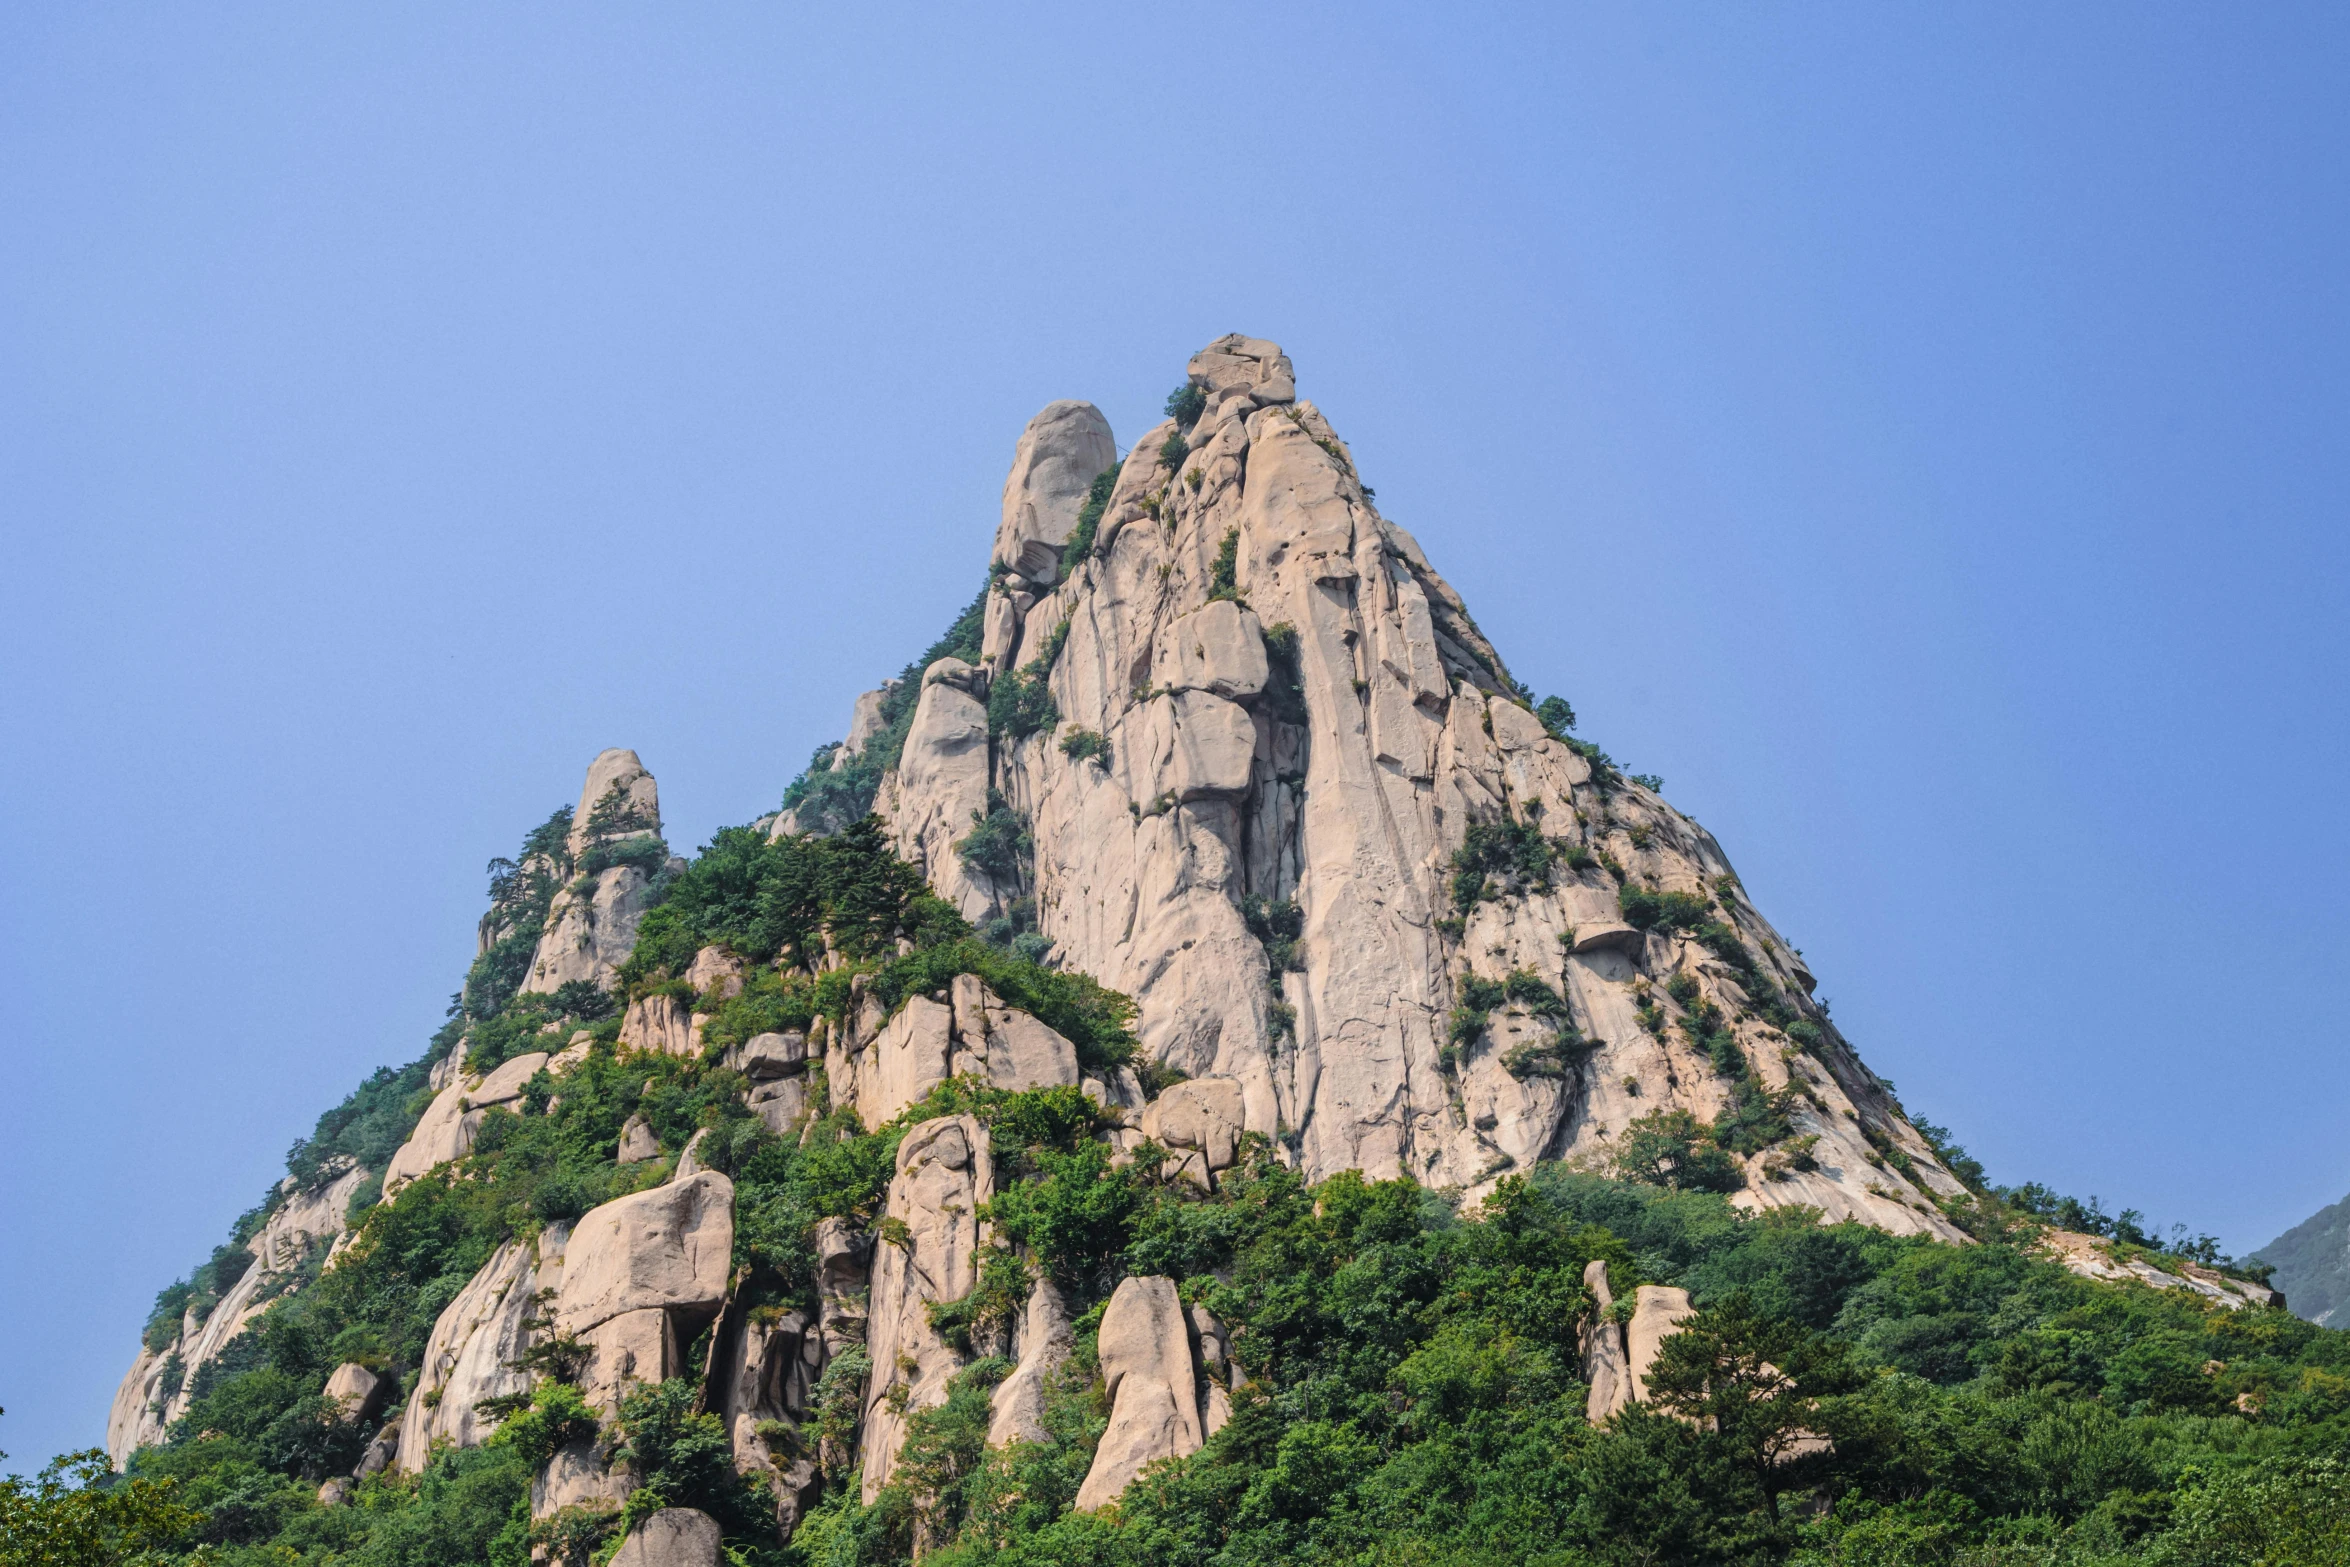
(670, 1248)
(380, 1452)
(1219, 649)
(1148, 1372)
(1204, 1116)
(1023, 1053)
(1196, 746)
(716, 973)
(1053, 466)
(572, 1053)
(766, 1056)
(637, 1143)
(930, 1253)
(1234, 363)
(673, 1537)
(782, 1104)
(1657, 1314)
(356, 1392)
(577, 1476)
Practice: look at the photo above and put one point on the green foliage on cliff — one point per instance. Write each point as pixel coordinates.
(1414, 1395)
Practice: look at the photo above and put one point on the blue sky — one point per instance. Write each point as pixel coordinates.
(1917, 433)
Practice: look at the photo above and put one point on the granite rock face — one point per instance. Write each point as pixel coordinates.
(1057, 457)
(928, 1253)
(1151, 1377)
(591, 926)
(305, 1221)
(474, 1343)
(1301, 715)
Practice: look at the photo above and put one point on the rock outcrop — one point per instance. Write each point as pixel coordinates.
(928, 1252)
(887, 1062)
(938, 790)
(446, 1130)
(474, 1344)
(1042, 1340)
(1152, 1379)
(1298, 713)
(302, 1225)
(1057, 457)
(2092, 1258)
(1657, 1314)
(673, 1537)
(591, 926)
(1605, 1365)
(643, 1274)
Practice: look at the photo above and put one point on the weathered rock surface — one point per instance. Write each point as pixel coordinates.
(944, 1174)
(305, 1221)
(468, 1356)
(659, 1022)
(637, 1143)
(1149, 1373)
(1657, 1314)
(2092, 1258)
(668, 1248)
(1324, 730)
(1064, 446)
(447, 1128)
(887, 1063)
(1201, 1122)
(1042, 1342)
(673, 1537)
(591, 928)
(1605, 1365)
(358, 1392)
(940, 782)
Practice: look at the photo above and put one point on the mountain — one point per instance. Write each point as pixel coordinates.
(1211, 1066)
(2312, 1262)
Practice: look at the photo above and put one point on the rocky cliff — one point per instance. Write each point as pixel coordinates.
(1210, 898)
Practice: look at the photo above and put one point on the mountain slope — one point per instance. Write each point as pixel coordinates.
(2312, 1260)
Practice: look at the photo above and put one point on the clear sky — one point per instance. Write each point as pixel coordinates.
(1916, 432)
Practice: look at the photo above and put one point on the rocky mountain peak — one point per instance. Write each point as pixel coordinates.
(1282, 790)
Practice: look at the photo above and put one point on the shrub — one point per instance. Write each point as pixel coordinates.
(1085, 745)
(1089, 520)
(1557, 716)
(1019, 703)
(998, 846)
(1279, 924)
(553, 1417)
(1186, 403)
(1224, 571)
(1514, 850)
(1661, 911)
(1174, 449)
(1672, 1148)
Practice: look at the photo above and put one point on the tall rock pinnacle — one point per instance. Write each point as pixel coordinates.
(1294, 804)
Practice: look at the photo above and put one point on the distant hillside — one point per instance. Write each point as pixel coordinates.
(2313, 1263)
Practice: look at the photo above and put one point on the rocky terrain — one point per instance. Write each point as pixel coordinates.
(1214, 883)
